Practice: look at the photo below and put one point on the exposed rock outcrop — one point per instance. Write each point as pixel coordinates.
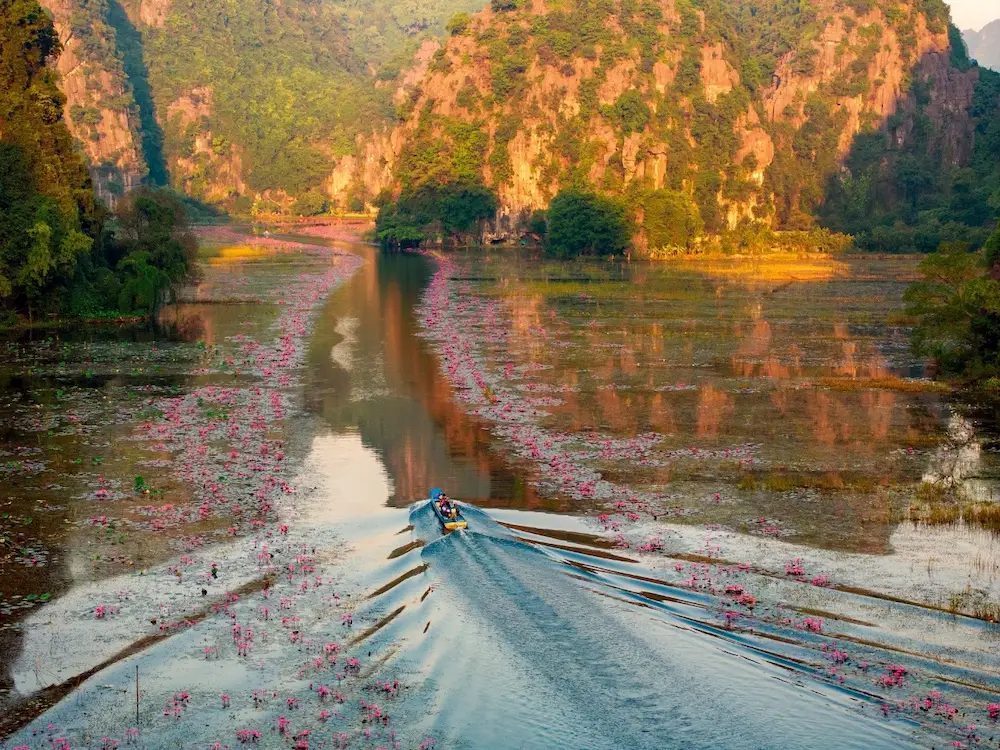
(570, 115)
(100, 111)
(207, 155)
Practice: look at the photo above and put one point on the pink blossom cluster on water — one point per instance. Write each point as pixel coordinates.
(230, 458)
(461, 326)
(225, 446)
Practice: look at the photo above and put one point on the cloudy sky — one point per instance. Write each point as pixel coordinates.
(974, 14)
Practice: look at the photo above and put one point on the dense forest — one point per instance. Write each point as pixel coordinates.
(61, 252)
(280, 81)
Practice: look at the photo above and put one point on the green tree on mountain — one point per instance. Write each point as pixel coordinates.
(451, 211)
(671, 219)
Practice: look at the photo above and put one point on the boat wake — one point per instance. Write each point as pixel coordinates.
(520, 639)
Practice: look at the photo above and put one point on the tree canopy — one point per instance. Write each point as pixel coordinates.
(58, 252)
(957, 305)
(671, 220)
(48, 213)
(585, 223)
(446, 212)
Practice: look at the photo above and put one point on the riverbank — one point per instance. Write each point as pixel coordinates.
(351, 228)
(55, 323)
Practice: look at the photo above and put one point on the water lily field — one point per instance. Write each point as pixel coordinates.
(711, 504)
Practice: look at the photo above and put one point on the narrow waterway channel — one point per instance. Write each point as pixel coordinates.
(538, 630)
(540, 626)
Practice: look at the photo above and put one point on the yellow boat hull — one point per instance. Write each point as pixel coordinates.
(449, 522)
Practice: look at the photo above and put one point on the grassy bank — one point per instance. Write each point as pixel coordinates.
(18, 323)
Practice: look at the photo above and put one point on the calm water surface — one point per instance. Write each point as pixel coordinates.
(551, 638)
(782, 432)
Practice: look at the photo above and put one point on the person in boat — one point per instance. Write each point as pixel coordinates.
(448, 508)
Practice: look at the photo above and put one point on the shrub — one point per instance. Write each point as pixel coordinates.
(434, 210)
(631, 112)
(958, 308)
(311, 204)
(671, 219)
(458, 24)
(583, 223)
(539, 223)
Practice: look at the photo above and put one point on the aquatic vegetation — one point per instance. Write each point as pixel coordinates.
(902, 385)
(543, 329)
(813, 624)
(939, 506)
(779, 483)
(894, 677)
(975, 603)
(985, 515)
(602, 448)
(282, 629)
(217, 447)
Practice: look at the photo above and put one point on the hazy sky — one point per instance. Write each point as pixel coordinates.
(974, 14)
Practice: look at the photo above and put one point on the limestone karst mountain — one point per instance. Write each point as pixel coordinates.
(984, 45)
(862, 115)
(750, 111)
(227, 100)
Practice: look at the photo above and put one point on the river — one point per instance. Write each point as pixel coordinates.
(688, 492)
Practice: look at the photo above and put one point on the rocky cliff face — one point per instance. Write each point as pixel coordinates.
(100, 110)
(359, 178)
(263, 100)
(208, 167)
(949, 94)
(149, 13)
(654, 95)
(138, 107)
(746, 113)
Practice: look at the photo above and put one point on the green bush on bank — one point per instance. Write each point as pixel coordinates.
(451, 212)
(957, 305)
(585, 223)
